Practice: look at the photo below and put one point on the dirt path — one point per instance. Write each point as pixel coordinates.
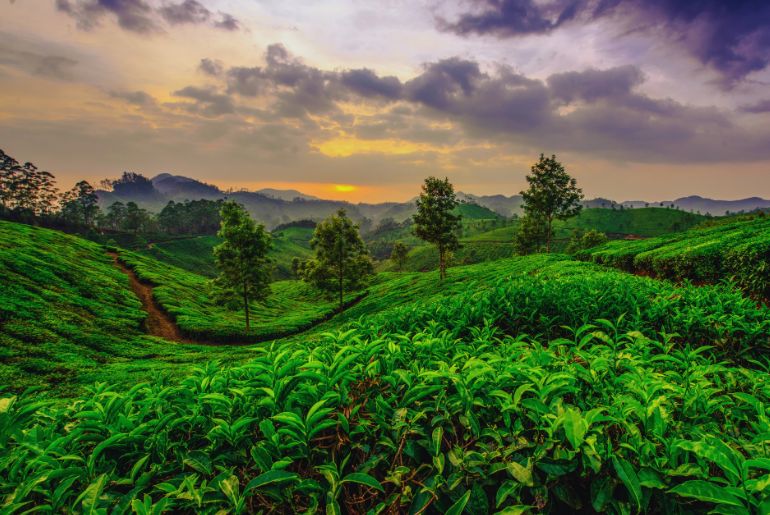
(158, 323)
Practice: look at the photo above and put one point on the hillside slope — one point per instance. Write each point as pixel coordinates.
(535, 383)
(737, 250)
(68, 317)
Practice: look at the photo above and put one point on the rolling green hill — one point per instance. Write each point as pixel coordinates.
(523, 384)
(484, 240)
(68, 317)
(739, 250)
(293, 305)
(194, 253)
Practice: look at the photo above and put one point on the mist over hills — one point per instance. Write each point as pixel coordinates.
(274, 206)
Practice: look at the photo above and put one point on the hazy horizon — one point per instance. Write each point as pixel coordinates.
(358, 101)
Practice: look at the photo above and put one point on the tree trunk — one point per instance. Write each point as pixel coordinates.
(341, 282)
(246, 307)
(441, 263)
(548, 237)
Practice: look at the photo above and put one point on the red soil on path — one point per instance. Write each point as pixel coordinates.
(157, 323)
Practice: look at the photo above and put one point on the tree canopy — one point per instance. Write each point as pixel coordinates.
(435, 221)
(341, 262)
(552, 195)
(244, 268)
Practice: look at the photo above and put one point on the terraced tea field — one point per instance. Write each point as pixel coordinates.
(521, 385)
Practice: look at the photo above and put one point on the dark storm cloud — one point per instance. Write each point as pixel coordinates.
(443, 80)
(763, 106)
(208, 102)
(599, 112)
(141, 17)
(212, 67)
(731, 36)
(514, 17)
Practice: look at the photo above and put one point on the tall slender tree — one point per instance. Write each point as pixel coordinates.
(244, 267)
(552, 195)
(25, 189)
(436, 221)
(341, 262)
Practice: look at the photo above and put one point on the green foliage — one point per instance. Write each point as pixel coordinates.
(68, 318)
(191, 217)
(435, 221)
(737, 250)
(242, 258)
(341, 262)
(495, 399)
(293, 306)
(582, 240)
(80, 205)
(25, 190)
(552, 195)
(532, 235)
(399, 254)
(531, 384)
(191, 253)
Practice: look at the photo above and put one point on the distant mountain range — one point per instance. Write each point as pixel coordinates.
(273, 206)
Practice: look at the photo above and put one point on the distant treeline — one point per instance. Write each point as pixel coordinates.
(30, 195)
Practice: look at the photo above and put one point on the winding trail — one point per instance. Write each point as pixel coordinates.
(160, 324)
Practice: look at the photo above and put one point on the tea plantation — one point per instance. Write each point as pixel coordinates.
(735, 250)
(521, 385)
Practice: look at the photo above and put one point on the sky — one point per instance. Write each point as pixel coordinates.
(363, 99)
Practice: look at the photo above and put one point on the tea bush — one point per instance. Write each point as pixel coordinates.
(736, 250)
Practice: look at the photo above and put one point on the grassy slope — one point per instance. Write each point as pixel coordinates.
(437, 386)
(68, 317)
(292, 305)
(738, 249)
(287, 244)
(194, 254)
(483, 245)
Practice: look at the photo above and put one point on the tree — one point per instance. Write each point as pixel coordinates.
(136, 219)
(132, 184)
(80, 205)
(115, 217)
(398, 255)
(552, 195)
(530, 235)
(341, 262)
(244, 268)
(581, 240)
(435, 220)
(25, 190)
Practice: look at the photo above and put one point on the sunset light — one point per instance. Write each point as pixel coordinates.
(344, 188)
